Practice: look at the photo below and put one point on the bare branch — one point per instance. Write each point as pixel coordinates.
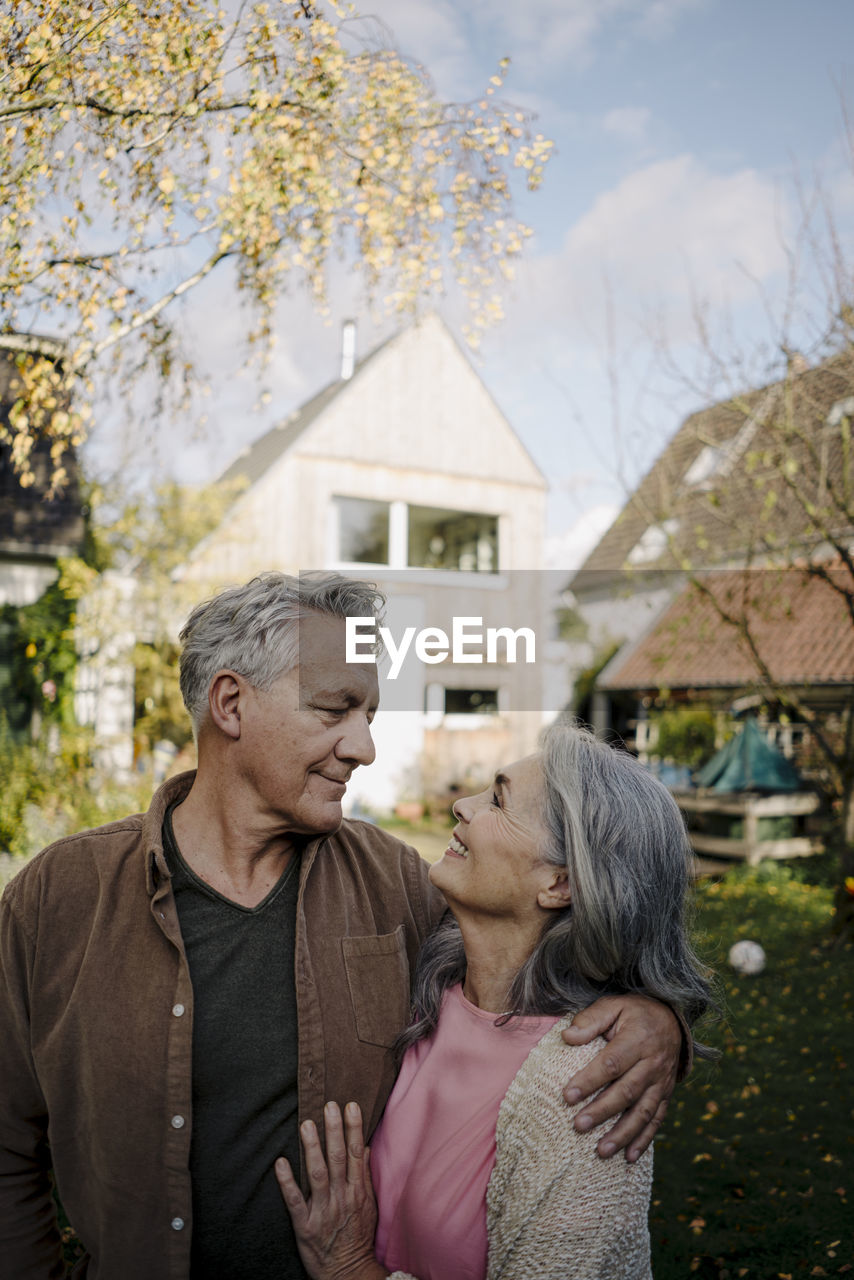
(784, 694)
(32, 345)
(93, 350)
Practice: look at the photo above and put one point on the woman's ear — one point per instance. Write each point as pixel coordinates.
(224, 703)
(555, 894)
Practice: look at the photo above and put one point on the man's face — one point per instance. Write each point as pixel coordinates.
(302, 738)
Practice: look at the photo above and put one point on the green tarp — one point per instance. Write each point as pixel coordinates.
(748, 763)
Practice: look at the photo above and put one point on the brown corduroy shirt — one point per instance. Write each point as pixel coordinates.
(96, 1013)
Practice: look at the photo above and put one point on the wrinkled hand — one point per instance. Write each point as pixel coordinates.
(639, 1065)
(335, 1227)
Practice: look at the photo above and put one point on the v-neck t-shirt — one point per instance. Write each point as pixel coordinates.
(241, 962)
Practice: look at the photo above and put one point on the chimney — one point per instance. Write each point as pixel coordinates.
(348, 349)
(796, 362)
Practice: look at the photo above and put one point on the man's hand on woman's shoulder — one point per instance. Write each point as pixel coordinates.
(636, 1071)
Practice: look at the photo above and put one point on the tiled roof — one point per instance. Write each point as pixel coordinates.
(30, 524)
(800, 624)
(715, 476)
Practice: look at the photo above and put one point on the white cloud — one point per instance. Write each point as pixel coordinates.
(455, 40)
(432, 32)
(630, 123)
(592, 320)
(569, 549)
(674, 216)
(550, 31)
(658, 17)
(669, 235)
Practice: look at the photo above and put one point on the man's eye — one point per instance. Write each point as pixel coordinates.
(496, 801)
(334, 711)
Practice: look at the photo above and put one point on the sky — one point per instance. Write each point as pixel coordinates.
(689, 135)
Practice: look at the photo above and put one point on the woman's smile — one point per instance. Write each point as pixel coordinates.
(456, 848)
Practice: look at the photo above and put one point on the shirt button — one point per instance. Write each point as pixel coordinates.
(177, 1122)
(177, 1009)
(177, 1224)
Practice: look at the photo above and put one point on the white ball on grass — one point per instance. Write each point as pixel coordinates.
(746, 957)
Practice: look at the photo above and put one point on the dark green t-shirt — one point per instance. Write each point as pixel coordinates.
(241, 963)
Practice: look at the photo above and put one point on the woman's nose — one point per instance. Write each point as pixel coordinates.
(463, 808)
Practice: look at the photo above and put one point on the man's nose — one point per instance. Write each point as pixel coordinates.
(357, 743)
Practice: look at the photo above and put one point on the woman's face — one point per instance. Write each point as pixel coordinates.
(493, 864)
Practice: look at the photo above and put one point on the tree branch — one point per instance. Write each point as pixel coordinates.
(126, 113)
(91, 351)
(783, 693)
(31, 344)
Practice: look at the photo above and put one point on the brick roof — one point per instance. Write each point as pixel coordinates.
(742, 440)
(801, 625)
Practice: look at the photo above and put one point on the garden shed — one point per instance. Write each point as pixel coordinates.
(749, 802)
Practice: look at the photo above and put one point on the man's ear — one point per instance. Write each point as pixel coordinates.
(224, 702)
(555, 894)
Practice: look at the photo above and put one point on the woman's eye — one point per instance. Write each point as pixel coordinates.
(496, 801)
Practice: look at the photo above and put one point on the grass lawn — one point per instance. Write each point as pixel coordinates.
(754, 1168)
(755, 1164)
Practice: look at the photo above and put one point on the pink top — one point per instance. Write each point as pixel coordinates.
(433, 1153)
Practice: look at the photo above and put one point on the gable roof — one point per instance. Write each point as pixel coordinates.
(710, 482)
(800, 624)
(256, 459)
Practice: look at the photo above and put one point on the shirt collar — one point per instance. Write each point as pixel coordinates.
(169, 792)
(172, 791)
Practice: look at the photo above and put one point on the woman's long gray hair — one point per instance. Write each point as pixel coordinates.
(619, 834)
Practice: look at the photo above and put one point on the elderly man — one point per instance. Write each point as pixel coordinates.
(180, 988)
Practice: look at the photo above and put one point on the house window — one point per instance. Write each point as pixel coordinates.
(471, 702)
(843, 409)
(653, 543)
(706, 465)
(458, 540)
(362, 530)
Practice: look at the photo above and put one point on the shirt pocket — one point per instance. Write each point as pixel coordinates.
(377, 970)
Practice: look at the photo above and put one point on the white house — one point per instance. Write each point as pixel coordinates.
(404, 471)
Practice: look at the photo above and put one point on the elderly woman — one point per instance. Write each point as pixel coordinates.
(566, 879)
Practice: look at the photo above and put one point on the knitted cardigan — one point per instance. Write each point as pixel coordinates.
(555, 1210)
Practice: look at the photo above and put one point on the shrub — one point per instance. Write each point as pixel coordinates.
(52, 787)
(686, 735)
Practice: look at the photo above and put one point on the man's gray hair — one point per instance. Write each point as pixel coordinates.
(619, 835)
(253, 629)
